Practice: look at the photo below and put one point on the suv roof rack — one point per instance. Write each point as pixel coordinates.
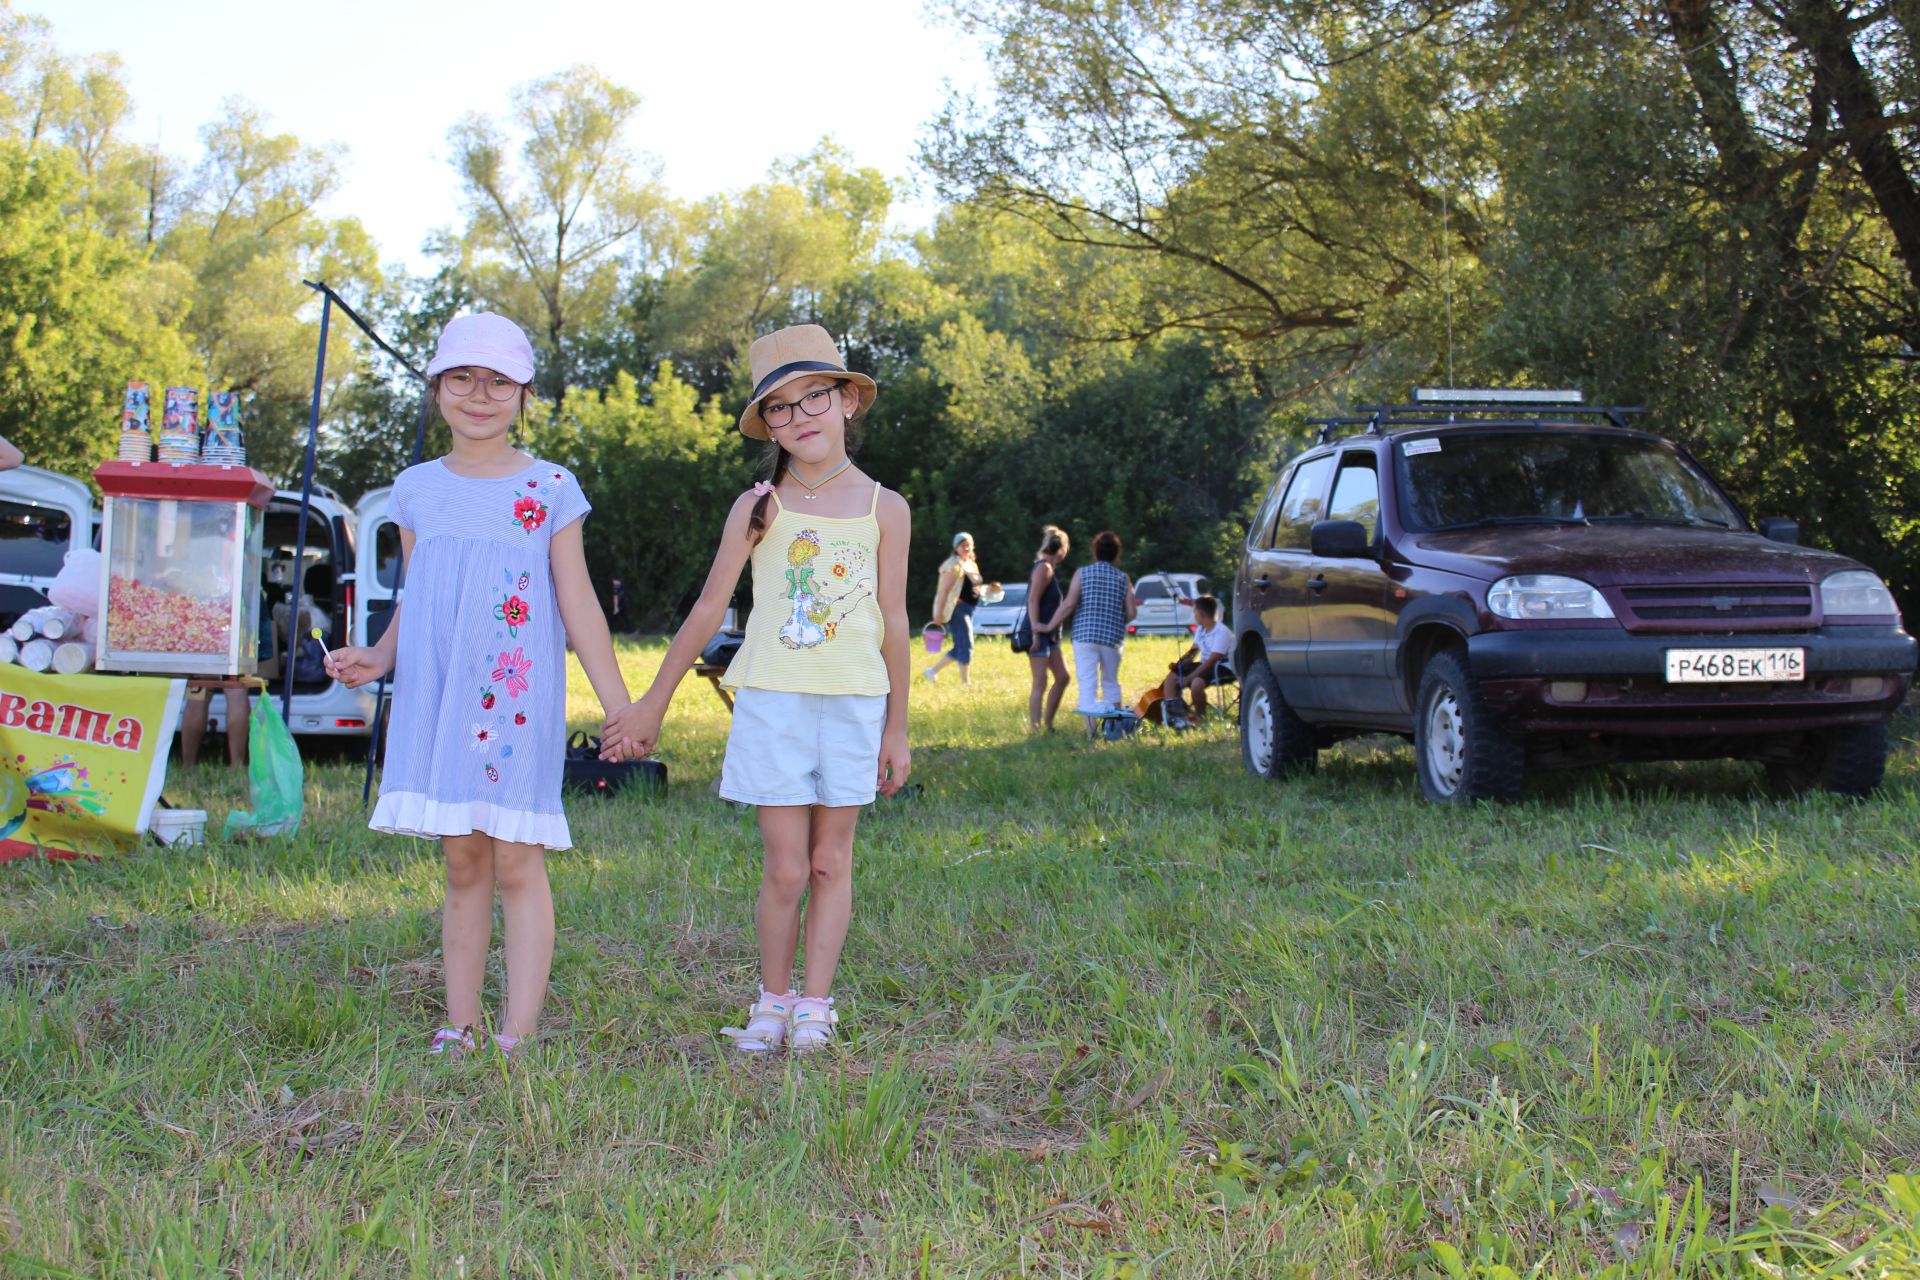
(1444, 406)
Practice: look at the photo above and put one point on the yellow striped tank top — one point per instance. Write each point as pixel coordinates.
(816, 624)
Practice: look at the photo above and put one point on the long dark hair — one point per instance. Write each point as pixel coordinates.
(776, 462)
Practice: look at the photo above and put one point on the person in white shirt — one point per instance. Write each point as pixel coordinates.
(1200, 665)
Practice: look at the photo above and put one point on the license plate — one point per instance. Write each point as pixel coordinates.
(1728, 666)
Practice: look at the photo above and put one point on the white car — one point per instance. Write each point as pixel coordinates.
(1000, 617)
(1165, 603)
(43, 515)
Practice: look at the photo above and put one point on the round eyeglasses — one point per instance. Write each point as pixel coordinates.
(461, 382)
(813, 404)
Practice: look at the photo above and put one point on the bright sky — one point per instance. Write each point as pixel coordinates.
(727, 86)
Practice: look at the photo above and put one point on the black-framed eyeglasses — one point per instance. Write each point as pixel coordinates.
(461, 382)
(813, 404)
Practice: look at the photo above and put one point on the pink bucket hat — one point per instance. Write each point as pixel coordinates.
(487, 340)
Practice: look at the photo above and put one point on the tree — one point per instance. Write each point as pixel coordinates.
(665, 468)
(772, 255)
(76, 323)
(541, 243)
(239, 249)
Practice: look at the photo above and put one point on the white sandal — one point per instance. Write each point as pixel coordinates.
(813, 1023)
(767, 1024)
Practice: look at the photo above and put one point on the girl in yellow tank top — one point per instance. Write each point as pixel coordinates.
(820, 683)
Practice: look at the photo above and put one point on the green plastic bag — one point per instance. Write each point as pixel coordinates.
(273, 774)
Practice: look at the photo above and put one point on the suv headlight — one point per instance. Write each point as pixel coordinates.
(1856, 593)
(1545, 597)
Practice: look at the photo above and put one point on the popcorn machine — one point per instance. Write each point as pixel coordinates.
(180, 593)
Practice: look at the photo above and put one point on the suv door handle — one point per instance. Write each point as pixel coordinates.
(1317, 582)
(1260, 582)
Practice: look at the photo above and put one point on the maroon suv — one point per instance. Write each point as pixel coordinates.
(1519, 588)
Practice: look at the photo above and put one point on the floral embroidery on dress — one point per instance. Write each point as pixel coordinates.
(493, 774)
(482, 736)
(526, 580)
(513, 611)
(486, 699)
(529, 513)
(513, 669)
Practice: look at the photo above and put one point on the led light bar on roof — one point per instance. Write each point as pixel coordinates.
(1494, 395)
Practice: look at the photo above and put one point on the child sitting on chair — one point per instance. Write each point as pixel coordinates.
(1203, 663)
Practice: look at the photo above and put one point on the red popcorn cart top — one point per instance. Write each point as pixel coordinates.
(180, 592)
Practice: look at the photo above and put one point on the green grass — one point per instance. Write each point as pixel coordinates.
(1111, 1010)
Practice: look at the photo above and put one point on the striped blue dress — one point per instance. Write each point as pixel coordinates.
(478, 735)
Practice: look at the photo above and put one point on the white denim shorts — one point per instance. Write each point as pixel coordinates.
(803, 748)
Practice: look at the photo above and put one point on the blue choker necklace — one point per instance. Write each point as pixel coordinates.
(821, 481)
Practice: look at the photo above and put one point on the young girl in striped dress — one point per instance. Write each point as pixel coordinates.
(820, 682)
(496, 585)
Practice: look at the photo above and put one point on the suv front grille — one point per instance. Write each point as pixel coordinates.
(1779, 603)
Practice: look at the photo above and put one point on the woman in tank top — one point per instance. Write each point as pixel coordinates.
(1044, 657)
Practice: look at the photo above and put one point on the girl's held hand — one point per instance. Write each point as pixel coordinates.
(631, 732)
(896, 762)
(355, 665)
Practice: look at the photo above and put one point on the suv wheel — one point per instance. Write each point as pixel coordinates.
(1274, 741)
(1462, 753)
(1848, 761)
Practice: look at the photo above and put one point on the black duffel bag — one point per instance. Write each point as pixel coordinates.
(586, 771)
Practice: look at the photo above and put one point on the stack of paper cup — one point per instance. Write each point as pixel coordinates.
(136, 425)
(180, 427)
(223, 444)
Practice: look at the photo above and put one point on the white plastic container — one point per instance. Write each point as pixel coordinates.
(180, 826)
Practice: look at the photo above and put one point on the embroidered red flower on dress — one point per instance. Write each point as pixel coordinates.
(482, 736)
(513, 669)
(529, 513)
(513, 611)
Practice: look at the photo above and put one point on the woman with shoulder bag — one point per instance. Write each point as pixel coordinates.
(1043, 645)
(961, 587)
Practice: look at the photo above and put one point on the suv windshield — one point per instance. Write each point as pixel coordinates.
(1529, 477)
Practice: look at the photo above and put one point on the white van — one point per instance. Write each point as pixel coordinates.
(327, 576)
(43, 515)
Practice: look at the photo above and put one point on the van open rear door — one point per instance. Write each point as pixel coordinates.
(377, 572)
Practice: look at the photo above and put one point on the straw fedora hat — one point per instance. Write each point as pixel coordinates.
(797, 351)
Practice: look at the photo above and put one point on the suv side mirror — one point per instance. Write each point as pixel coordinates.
(1780, 529)
(1340, 540)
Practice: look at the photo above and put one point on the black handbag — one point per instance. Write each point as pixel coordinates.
(1021, 637)
(584, 770)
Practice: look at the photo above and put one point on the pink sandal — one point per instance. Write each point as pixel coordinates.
(452, 1042)
(767, 1024)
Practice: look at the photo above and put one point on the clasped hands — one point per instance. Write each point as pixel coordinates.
(632, 732)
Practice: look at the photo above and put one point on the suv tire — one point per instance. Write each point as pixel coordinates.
(1460, 750)
(1848, 761)
(1275, 742)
